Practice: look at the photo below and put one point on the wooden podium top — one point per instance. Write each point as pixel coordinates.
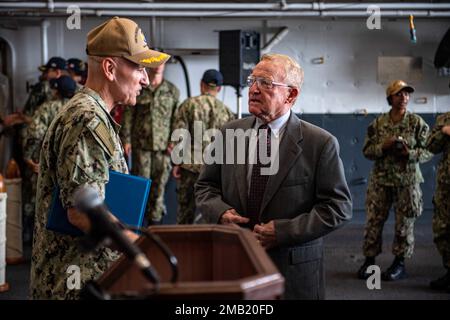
(214, 261)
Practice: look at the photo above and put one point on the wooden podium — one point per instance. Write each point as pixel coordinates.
(214, 262)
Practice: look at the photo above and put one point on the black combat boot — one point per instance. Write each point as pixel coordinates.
(362, 272)
(443, 283)
(396, 271)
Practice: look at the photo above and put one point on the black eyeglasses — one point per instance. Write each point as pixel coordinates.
(265, 83)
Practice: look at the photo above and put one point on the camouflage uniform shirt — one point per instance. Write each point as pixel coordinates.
(38, 127)
(388, 169)
(440, 142)
(148, 124)
(40, 93)
(206, 110)
(80, 146)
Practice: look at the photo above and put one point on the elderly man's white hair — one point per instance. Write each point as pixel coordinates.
(294, 73)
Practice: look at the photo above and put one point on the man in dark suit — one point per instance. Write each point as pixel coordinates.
(302, 199)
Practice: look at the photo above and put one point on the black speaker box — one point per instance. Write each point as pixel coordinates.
(238, 54)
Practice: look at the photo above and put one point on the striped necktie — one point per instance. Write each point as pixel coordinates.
(258, 181)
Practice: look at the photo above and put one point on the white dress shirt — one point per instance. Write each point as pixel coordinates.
(277, 128)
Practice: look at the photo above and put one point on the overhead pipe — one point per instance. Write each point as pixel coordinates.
(382, 6)
(251, 14)
(157, 6)
(50, 5)
(247, 14)
(315, 9)
(391, 13)
(227, 6)
(153, 31)
(443, 14)
(275, 40)
(44, 40)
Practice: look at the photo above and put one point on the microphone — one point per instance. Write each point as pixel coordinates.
(88, 201)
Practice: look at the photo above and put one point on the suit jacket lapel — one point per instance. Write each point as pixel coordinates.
(289, 151)
(240, 170)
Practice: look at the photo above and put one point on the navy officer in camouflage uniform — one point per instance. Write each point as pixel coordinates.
(439, 142)
(396, 142)
(40, 93)
(63, 89)
(80, 147)
(146, 133)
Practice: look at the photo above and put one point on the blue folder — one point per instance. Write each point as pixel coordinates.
(125, 196)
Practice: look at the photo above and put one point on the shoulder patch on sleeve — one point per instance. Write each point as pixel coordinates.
(93, 124)
(99, 129)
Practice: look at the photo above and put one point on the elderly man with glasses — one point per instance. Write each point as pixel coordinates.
(289, 209)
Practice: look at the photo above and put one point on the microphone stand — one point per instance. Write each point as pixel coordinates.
(173, 261)
(92, 291)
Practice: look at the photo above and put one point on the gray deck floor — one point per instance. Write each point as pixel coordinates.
(342, 259)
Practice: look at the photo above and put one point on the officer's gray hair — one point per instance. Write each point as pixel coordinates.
(99, 59)
(294, 73)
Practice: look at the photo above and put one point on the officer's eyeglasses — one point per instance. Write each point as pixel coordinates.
(265, 83)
